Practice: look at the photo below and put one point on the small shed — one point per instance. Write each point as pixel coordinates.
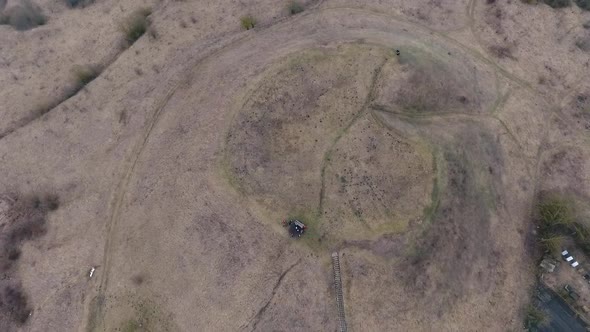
(548, 265)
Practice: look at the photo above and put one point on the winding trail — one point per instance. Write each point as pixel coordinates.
(364, 109)
(258, 316)
(130, 165)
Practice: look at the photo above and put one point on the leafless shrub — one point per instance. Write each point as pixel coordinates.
(78, 3)
(25, 15)
(583, 44)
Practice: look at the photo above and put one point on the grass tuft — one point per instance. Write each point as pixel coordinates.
(557, 219)
(131, 326)
(558, 3)
(248, 22)
(295, 7)
(85, 74)
(135, 25)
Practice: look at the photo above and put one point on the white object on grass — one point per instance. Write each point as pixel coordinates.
(92, 271)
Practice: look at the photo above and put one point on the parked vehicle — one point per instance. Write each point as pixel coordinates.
(568, 258)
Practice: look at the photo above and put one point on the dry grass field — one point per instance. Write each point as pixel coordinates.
(162, 142)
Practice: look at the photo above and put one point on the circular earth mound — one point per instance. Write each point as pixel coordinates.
(277, 142)
(304, 144)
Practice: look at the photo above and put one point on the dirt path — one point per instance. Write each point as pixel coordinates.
(121, 190)
(364, 109)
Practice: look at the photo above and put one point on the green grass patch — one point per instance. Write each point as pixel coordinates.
(552, 243)
(248, 22)
(416, 55)
(555, 211)
(131, 326)
(557, 219)
(438, 182)
(535, 318)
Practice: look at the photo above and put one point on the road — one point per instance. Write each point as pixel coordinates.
(561, 317)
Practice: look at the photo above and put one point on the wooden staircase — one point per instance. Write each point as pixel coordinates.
(338, 290)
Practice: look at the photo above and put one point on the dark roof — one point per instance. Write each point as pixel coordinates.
(296, 228)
